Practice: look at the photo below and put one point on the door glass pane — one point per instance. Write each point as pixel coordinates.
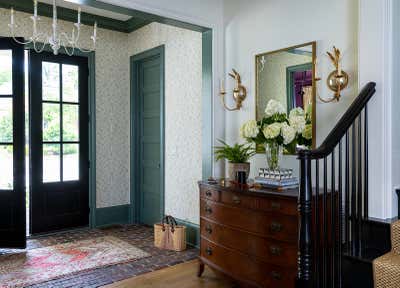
(6, 72)
(6, 120)
(70, 162)
(7, 169)
(51, 122)
(51, 81)
(70, 75)
(70, 122)
(51, 163)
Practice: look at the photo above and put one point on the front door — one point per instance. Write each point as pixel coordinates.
(59, 142)
(148, 103)
(12, 144)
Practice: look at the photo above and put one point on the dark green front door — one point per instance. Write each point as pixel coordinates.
(148, 79)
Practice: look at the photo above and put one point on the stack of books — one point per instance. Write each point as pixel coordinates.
(281, 179)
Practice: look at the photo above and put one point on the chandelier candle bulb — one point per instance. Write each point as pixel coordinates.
(79, 15)
(12, 17)
(95, 30)
(35, 3)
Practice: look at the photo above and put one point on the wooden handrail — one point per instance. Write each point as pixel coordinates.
(337, 133)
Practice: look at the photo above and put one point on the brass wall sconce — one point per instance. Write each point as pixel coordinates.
(239, 92)
(338, 79)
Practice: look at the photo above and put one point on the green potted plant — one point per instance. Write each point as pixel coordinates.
(237, 155)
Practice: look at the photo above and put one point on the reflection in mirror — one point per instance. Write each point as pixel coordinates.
(286, 75)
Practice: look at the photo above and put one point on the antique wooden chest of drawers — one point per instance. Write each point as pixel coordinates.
(250, 235)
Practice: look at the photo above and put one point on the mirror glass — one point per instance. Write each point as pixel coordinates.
(286, 75)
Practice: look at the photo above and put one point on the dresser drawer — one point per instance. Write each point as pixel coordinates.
(209, 193)
(265, 249)
(270, 204)
(243, 267)
(280, 227)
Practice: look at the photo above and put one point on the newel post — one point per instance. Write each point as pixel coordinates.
(305, 245)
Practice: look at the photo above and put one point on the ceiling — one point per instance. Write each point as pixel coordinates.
(107, 18)
(89, 9)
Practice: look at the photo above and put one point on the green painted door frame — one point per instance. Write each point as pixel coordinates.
(290, 81)
(92, 128)
(159, 51)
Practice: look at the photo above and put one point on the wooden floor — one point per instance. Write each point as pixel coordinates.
(180, 276)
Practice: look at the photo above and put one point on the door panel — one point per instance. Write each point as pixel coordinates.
(59, 142)
(12, 142)
(149, 99)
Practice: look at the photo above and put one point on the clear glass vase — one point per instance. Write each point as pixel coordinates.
(274, 154)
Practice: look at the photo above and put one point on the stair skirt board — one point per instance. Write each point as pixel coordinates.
(386, 269)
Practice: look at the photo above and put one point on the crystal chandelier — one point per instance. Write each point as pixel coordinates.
(57, 39)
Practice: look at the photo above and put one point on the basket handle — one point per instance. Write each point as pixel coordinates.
(168, 219)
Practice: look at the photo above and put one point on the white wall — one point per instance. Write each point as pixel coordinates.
(262, 26)
(183, 113)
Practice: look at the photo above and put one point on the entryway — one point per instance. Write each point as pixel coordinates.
(147, 135)
(48, 133)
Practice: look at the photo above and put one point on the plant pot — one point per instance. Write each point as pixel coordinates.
(233, 168)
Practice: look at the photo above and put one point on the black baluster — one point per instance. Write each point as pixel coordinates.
(340, 215)
(324, 228)
(333, 218)
(359, 184)
(317, 227)
(305, 243)
(366, 161)
(347, 194)
(354, 229)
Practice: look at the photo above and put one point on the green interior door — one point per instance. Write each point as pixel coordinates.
(148, 75)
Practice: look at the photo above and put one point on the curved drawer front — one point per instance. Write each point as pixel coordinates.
(209, 193)
(281, 227)
(268, 250)
(243, 267)
(270, 204)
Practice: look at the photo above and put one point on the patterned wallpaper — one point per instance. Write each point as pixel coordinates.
(183, 106)
(112, 105)
(183, 110)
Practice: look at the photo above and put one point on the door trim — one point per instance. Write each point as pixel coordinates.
(134, 136)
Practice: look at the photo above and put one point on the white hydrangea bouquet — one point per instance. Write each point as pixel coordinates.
(278, 131)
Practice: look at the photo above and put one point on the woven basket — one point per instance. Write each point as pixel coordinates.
(170, 236)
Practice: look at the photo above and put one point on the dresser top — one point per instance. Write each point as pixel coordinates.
(250, 189)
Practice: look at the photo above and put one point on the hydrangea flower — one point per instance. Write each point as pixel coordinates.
(298, 123)
(288, 133)
(274, 107)
(272, 131)
(249, 129)
(298, 111)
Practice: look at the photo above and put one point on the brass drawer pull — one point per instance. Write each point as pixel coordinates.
(208, 229)
(275, 250)
(208, 209)
(276, 275)
(208, 193)
(209, 251)
(276, 227)
(275, 205)
(236, 200)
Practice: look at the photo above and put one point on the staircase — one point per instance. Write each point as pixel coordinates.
(386, 268)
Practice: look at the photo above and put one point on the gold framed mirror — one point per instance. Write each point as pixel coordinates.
(288, 76)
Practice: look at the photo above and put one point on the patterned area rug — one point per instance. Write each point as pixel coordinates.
(43, 264)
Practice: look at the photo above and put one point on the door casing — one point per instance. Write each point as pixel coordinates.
(134, 159)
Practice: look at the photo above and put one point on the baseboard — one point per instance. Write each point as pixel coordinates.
(112, 215)
(192, 232)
